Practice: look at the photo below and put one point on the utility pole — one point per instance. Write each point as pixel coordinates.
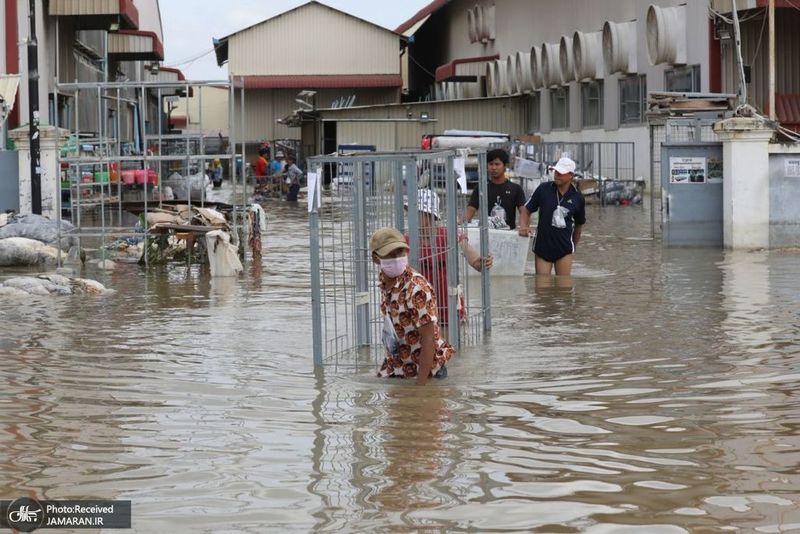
(771, 22)
(33, 115)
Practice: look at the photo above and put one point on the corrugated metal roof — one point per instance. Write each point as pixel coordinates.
(322, 81)
(426, 11)
(8, 93)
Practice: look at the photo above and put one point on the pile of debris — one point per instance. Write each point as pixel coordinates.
(613, 192)
(191, 232)
(51, 284)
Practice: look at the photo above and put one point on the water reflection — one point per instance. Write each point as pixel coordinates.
(652, 391)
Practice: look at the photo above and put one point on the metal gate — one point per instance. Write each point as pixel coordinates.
(9, 180)
(691, 186)
(374, 190)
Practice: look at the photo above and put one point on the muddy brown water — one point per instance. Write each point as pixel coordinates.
(655, 392)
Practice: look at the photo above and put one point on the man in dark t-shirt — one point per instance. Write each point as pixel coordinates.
(499, 190)
(562, 214)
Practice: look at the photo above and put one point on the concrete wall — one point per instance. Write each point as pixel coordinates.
(784, 192)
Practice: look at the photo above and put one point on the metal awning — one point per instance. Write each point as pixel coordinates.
(169, 75)
(135, 45)
(97, 14)
(8, 94)
(449, 72)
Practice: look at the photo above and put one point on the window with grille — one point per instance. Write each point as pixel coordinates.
(559, 108)
(632, 99)
(683, 79)
(592, 103)
(534, 113)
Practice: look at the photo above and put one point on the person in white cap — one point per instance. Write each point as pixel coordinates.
(414, 346)
(562, 214)
(433, 250)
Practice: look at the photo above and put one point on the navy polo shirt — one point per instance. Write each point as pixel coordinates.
(553, 243)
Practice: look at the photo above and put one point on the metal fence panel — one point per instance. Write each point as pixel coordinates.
(369, 191)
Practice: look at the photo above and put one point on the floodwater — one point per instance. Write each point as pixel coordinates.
(655, 392)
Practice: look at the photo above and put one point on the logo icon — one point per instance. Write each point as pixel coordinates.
(25, 515)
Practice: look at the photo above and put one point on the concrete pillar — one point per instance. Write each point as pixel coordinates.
(51, 183)
(745, 184)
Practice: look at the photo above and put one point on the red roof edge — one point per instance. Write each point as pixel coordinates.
(448, 70)
(430, 9)
(129, 14)
(339, 81)
(158, 46)
(181, 77)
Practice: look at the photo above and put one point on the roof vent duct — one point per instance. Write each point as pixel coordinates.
(524, 78)
(491, 79)
(536, 67)
(511, 72)
(619, 47)
(472, 26)
(666, 35)
(565, 59)
(587, 53)
(551, 76)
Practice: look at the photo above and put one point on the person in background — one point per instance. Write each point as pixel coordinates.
(260, 166)
(293, 175)
(562, 214)
(414, 346)
(216, 172)
(433, 251)
(500, 191)
(275, 166)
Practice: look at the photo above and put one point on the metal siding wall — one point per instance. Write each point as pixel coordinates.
(501, 115)
(150, 17)
(319, 40)
(262, 108)
(71, 7)
(380, 134)
(787, 65)
(364, 97)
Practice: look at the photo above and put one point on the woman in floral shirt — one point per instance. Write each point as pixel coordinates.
(414, 345)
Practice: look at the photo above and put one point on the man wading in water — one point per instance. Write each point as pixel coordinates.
(562, 214)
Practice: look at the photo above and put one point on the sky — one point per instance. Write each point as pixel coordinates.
(189, 25)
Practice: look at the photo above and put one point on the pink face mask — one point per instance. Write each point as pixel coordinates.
(394, 267)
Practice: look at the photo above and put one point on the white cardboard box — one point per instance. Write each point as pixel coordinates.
(510, 251)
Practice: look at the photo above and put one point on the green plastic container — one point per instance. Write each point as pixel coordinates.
(101, 177)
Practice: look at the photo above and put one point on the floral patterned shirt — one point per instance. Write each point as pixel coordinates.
(408, 301)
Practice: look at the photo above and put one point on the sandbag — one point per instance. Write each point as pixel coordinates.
(222, 255)
(33, 226)
(21, 251)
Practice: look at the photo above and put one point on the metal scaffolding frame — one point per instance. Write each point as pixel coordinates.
(373, 190)
(146, 151)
